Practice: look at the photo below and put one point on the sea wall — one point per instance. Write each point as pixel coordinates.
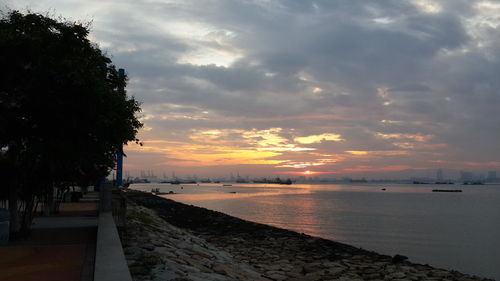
(168, 240)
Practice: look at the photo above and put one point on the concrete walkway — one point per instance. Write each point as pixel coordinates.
(64, 222)
(78, 244)
(60, 248)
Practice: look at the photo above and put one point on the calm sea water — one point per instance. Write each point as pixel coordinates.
(449, 230)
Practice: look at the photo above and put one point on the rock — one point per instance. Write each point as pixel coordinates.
(189, 269)
(220, 269)
(149, 247)
(334, 270)
(165, 251)
(197, 250)
(277, 277)
(273, 267)
(164, 275)
(131, 251)
(439, 273)
(332, 264)
(310, 267)
(371, 276)
(314, 275)
(398, 275)
(157, 243)
(304, 278)
(399, 259)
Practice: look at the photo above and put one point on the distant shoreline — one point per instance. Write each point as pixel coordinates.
(278, 252)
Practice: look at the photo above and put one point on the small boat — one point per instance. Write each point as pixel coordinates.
(383, 189)
(227, 185)
(446, 190)
(156, 191)
(163, 193)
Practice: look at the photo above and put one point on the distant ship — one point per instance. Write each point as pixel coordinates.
(263, 180)
(358, 180)
(177, 181)
(139, 180)
(473, 183)
(241, 180)
(273, 181)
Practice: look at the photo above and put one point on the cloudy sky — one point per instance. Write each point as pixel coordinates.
(338, 87)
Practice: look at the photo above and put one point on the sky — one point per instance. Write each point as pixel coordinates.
(295, 87)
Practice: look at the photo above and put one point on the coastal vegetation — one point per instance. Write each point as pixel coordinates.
(64, 112)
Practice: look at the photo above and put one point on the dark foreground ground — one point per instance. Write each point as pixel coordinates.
(266, 252)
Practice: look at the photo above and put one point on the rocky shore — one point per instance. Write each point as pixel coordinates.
(167, 240)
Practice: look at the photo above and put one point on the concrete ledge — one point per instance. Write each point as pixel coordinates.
(110, 263)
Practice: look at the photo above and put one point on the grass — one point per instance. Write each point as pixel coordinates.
(142, 217)
(144, 265)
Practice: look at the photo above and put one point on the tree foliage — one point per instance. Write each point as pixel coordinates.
(63, 115)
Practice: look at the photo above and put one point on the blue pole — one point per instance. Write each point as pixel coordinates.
(119, 155)
(119, 169)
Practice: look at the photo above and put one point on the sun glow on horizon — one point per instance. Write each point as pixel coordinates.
(308, 173)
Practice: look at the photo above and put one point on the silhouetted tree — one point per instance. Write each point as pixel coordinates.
(63, 117)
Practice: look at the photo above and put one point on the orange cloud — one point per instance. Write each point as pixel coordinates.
(318, 138)
(367, 168)
(481, 164)
(357, 152)
(260, 140)
(300, 165)
(413, 137)
(377, 152)
(304, 173)
(187, 154)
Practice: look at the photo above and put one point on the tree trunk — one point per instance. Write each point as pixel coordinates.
(27, 216)
(48, 206)
(14, 216)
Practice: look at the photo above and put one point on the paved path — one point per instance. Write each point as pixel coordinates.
(61, 248)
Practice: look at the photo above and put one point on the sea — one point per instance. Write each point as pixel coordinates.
(452, 230)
